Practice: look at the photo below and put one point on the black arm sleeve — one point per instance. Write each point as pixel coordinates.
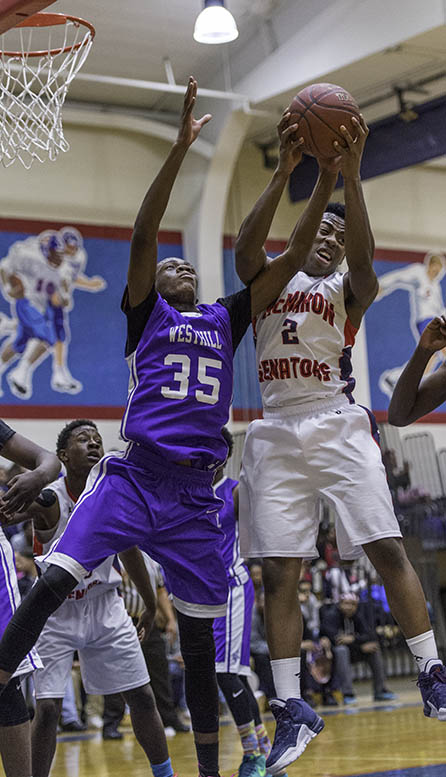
(137, 318)
(238, 306)
(5, 433)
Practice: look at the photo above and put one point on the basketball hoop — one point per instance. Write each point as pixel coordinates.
(38, 60)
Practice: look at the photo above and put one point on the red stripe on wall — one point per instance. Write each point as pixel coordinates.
(397, 255)
(48, 412)
(246, 414)
(32, 227)
(275, 246)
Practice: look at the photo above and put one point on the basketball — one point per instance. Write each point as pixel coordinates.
(320, 109)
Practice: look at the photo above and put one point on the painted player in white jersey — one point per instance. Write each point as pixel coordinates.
(92, 620)
(316, 443)
(423, 282)
(31, 279)
(15, 744)
(73, 273)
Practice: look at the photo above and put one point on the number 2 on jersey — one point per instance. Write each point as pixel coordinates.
(289, 332)
(182, 378)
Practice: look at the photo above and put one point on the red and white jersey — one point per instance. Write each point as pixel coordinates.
(303, 343)
(101, 579)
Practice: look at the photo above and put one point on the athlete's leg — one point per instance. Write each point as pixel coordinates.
(15, 750)
(403, 588)
(30, 617)
(147, 723)
(261, 732)
(198, 651)
(44, 735)
(297, 723)
(15, 741)
(283, 623)
(408, 606)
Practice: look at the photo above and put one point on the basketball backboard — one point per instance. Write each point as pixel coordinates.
(14, 11)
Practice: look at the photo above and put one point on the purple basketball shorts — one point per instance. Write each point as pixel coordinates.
(167, 510)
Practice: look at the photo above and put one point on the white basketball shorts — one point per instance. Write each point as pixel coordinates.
(293, 459)
(110, 656)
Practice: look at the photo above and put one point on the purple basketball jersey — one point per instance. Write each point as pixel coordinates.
(181, 384)
(236, 571)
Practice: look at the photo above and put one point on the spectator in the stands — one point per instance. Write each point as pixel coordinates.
(317, 656)
(255, 570)
(353, 639)
(259, 648)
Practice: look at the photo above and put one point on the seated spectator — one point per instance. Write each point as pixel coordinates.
(259, 648)
(255, 570)
(403, 494)
(317, 656)
(353, 639)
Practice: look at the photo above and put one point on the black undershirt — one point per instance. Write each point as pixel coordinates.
(5, 433)
(238, 306)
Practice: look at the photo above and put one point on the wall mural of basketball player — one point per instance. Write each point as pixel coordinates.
(422, 280)
(38, 277)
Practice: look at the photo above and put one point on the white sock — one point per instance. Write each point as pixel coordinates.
(286, 675)
(424, 650)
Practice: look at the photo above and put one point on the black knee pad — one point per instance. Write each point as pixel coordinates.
(13, 709)
(197, 642)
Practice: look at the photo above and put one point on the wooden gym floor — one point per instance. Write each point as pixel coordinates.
(369, 739)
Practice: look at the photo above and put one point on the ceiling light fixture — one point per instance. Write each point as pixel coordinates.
(215, 24)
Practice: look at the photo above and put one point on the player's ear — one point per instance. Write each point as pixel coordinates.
(62, 455)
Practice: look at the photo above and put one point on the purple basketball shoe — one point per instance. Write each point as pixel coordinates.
(296, 725)
(432, 685)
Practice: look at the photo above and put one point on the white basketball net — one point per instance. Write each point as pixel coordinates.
(33, 88)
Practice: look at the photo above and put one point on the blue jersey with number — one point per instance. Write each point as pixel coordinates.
(181, 382)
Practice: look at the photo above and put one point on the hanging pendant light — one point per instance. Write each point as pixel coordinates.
(215, 24)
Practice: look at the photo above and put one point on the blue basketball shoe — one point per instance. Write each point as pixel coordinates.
(252, 766)
(432, 685)
(296, 725)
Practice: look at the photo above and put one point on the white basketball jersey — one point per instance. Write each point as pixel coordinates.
(40, 280)
(101, 579)
(303, 343)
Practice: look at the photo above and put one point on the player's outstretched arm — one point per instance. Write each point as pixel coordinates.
(267, 286)
(250, 256)
(413, 397)
(143, 250)
(359, 242)
(25, 488)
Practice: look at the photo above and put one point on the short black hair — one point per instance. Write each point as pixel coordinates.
(65, 434)
(337, 208)
(228, 439)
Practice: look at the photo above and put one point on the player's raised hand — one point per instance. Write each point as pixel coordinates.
(433, 337)
(190, 128)
(351, 154)
(290, 144)
(22, 491)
